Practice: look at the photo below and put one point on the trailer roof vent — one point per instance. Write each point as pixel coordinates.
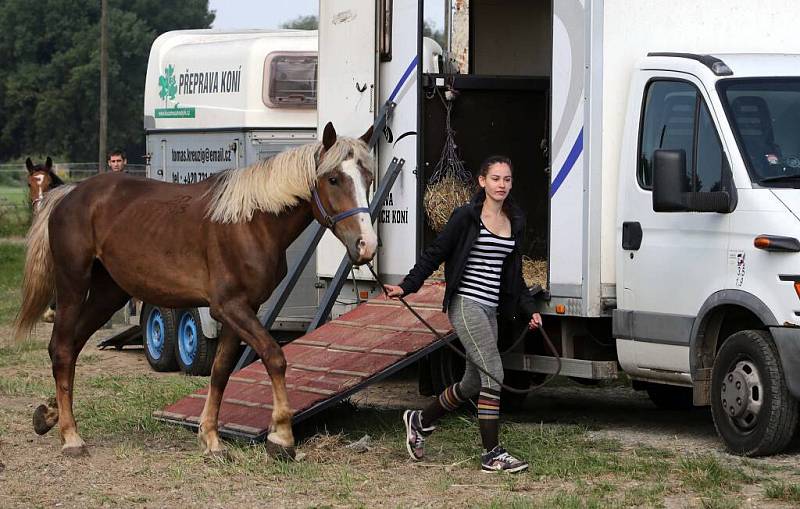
(717, 66)
(290, 80)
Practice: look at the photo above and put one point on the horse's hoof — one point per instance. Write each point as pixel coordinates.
(40, 424)
(78, 451)
(221, 455)
(49, 316)
(280, 452)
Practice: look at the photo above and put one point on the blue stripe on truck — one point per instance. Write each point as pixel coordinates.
(573, 155)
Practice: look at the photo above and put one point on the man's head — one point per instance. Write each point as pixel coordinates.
(117, 160)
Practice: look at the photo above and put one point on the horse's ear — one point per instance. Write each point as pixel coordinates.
(328, 136)
(48, 163)
(367, 135)
(29, 165)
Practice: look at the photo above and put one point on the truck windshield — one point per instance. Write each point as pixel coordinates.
(765, 117)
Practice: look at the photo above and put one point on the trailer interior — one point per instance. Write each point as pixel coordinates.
(501, 106)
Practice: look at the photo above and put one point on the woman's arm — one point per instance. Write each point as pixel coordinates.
(436, 253)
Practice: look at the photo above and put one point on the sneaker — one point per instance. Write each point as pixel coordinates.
(498, 460)
(415, 434)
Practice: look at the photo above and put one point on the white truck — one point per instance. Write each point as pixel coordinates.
(657, 156)
(216, 100)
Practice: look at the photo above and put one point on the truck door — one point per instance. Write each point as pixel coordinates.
(347, 79)
(670, 262)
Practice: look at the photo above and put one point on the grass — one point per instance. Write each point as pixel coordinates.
(123, 404)
(12, 260)
(783, 491)
(15, 212)
(716, 484)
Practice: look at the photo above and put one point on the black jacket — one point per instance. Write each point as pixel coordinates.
(453, 245)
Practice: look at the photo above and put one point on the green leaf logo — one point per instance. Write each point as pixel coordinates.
(169, 88)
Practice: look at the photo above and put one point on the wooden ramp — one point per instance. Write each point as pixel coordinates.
(336, 360)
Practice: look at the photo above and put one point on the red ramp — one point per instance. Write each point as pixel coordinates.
(336, 360)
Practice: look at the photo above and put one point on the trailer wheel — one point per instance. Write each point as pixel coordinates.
(158, 328)
(195, 350)
(670, 397)
(753, 411)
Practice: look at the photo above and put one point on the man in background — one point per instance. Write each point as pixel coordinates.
(117, 161)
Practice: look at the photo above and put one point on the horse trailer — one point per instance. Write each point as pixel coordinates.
(216, 100)
(656, 155)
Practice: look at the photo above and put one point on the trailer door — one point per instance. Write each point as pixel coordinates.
(346, 96)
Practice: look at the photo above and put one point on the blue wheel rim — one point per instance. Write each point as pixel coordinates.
(187, 339)
(155, 334)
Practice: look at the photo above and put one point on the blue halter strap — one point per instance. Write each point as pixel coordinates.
(328, 220)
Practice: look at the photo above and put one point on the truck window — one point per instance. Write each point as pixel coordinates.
(290, 80)
(676, 118)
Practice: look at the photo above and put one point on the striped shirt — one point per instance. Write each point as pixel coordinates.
(481, 278)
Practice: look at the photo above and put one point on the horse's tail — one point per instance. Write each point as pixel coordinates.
(38, 282)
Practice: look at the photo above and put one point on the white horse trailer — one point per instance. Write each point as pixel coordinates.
(656, 157)
(216, 100)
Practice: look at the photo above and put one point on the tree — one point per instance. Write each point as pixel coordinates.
(429, 29)
(49, 87)
(310, 22)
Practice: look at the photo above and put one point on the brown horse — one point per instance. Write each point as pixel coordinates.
(41, 179)
(219, 243)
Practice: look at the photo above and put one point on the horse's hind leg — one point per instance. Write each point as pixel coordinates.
(242, 319)
(76, 321)
(224, 362)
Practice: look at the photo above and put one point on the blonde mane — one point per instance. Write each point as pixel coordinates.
(277, 183)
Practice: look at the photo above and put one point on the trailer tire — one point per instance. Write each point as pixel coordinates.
(194, 351)
(160, 337)
(670, 397)
(753, 411)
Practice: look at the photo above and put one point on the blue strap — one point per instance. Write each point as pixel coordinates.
(328, 220)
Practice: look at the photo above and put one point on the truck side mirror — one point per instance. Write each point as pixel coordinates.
(669, 170)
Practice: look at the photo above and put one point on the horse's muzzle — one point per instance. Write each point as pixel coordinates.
(364, 249)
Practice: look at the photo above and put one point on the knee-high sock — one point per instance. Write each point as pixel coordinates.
(489, 417)
(448, 400)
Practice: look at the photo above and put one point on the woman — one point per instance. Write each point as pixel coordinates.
(480, 246)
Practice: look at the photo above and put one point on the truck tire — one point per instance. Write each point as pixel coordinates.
(670, 397)
(195, 352)
(752, 409)
(159, 333)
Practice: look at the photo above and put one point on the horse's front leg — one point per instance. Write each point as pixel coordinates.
(238, 315)
(224, 362)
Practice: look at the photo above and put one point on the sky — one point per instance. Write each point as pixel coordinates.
(271, 13)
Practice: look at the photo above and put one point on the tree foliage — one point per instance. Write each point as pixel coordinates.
(50, 84)
(310, 22)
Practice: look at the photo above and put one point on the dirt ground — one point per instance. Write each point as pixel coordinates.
(169, 471)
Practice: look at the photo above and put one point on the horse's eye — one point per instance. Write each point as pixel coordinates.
(333, 181)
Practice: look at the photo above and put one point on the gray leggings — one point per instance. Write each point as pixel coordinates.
(476, 326)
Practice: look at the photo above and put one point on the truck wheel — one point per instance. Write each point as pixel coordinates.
(753, 411)
(195, 350)
(158, 328)
(670, 397)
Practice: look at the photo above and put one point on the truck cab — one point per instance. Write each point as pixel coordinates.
(708, 234)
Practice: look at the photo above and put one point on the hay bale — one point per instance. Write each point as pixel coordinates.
(443, 197)
(534, 272)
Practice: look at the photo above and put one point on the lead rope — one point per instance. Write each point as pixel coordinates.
(463, 356)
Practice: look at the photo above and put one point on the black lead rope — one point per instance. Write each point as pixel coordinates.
(463, 356)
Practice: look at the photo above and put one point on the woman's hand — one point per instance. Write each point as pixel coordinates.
(536, 321)
(393, 291)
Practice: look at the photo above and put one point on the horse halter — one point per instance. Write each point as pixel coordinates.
(330, 221)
